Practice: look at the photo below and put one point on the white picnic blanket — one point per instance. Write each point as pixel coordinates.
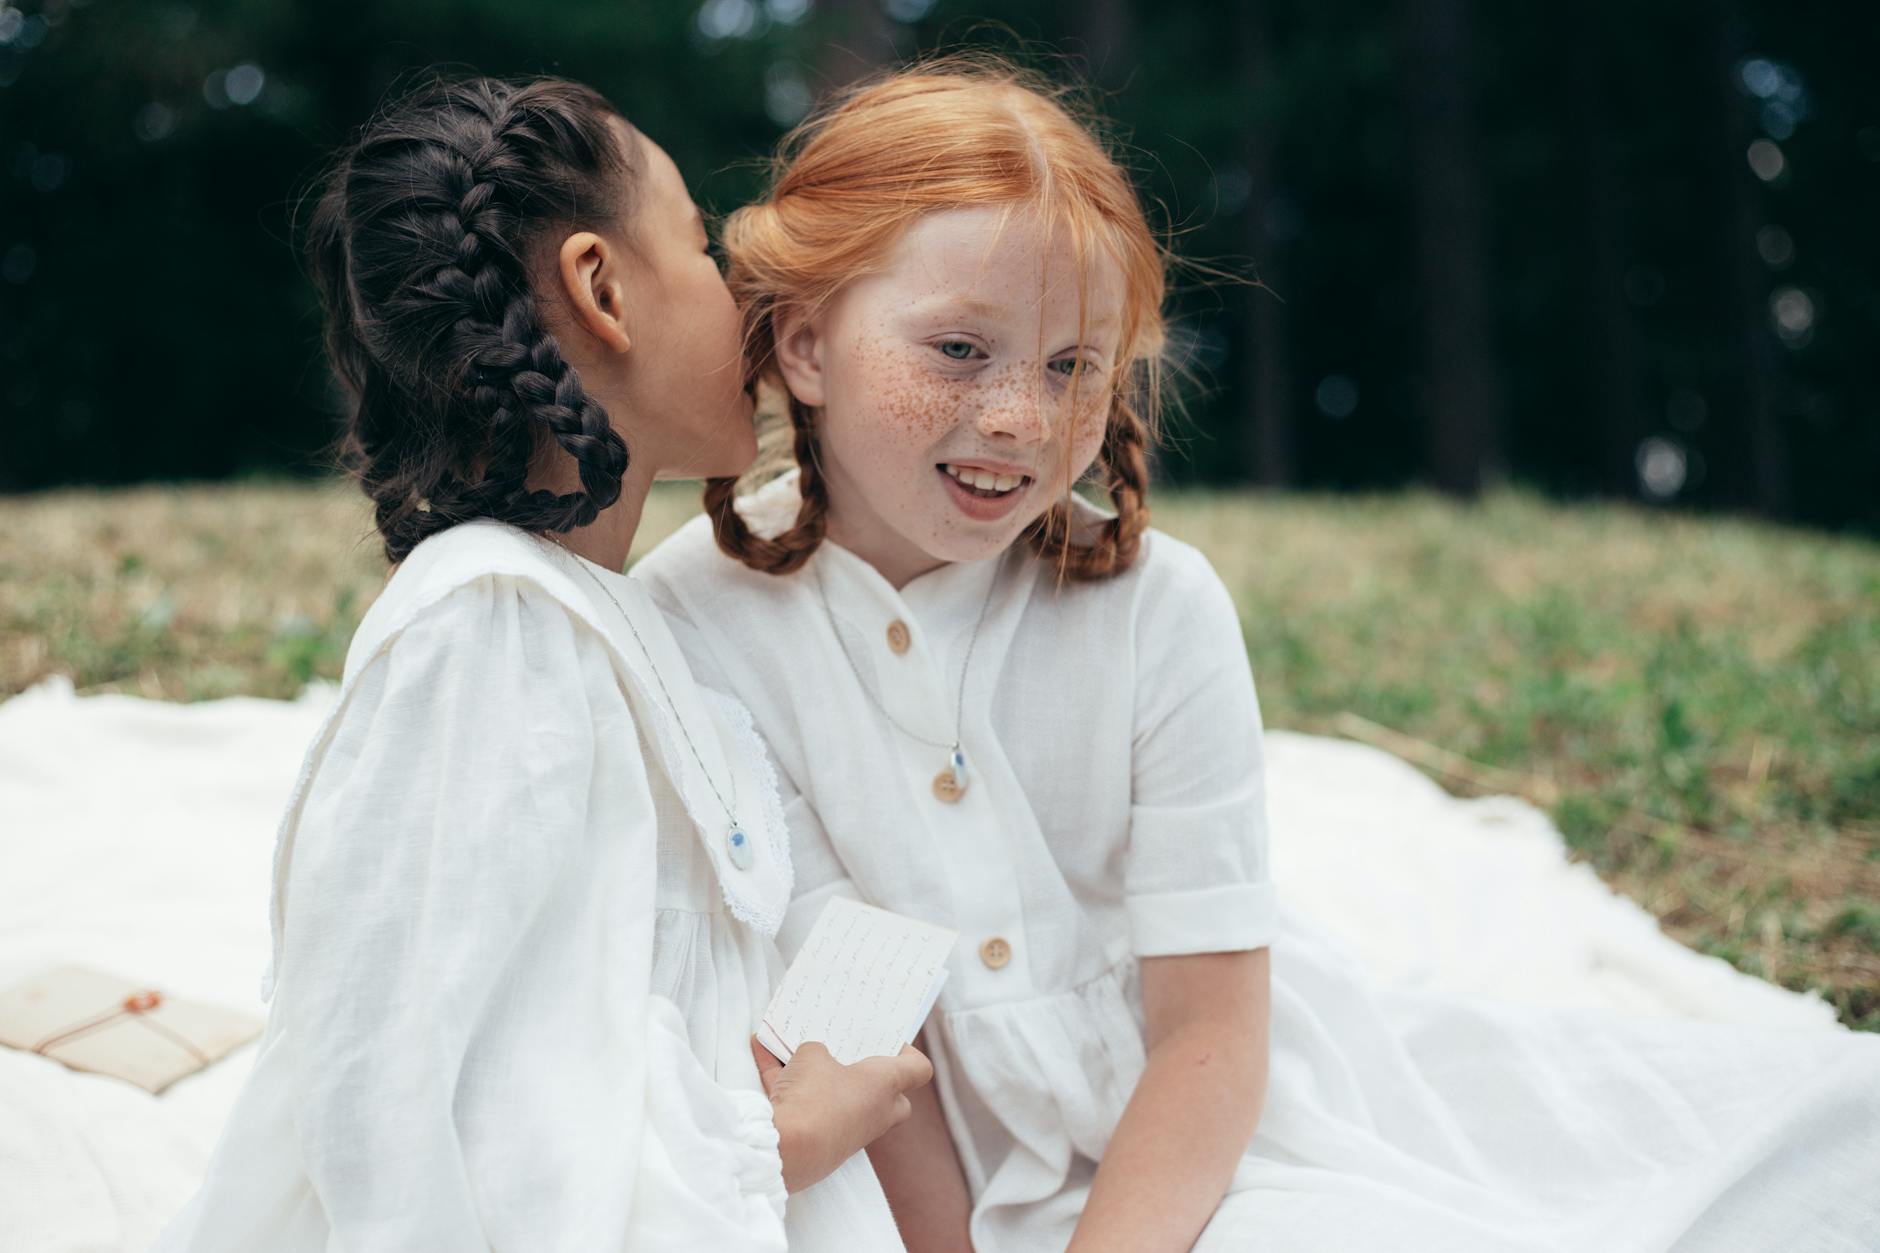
(136, 837)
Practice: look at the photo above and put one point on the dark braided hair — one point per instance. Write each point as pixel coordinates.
(419, 245)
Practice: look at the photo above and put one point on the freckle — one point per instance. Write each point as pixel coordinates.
(908, 399)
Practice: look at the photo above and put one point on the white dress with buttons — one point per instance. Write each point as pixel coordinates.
(1112, 809)
(518, 949)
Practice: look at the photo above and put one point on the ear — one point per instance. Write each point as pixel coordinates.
(800, 343)
(592, 282)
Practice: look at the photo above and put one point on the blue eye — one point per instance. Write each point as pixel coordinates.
(956, 349)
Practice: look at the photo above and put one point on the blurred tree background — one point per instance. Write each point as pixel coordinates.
(1600, 249)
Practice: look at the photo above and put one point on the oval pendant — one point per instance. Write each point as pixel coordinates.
(738, 847)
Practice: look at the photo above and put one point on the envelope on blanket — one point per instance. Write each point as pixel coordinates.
(109, 1025)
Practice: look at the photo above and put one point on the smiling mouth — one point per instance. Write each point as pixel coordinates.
(985, 484)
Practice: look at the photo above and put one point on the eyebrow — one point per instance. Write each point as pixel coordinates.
(981, 308)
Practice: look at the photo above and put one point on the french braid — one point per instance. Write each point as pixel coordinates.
(419, 246)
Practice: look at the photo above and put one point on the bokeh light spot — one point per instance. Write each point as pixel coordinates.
(787, 96)
(727, 19)
(244, 83)
(1793, 314)
(1662, 467)
(1775, 246)
(1337, 396)
(48, 171)
(19, 263)
(1686, 409)
(1766, 159)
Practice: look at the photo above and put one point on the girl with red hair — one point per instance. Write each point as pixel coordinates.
(1001, 708)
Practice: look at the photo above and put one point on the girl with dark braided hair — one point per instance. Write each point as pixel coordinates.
(526, 888)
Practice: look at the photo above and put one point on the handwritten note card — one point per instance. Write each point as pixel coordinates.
(862, 984)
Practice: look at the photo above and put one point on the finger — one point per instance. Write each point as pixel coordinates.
(812, 1049)
(912, 1068)
(900, 1112)
(769, 1069)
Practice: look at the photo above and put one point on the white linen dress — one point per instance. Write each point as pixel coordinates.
(1113, 811)
(515, 966)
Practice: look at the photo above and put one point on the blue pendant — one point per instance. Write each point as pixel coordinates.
(738, 846)
(958, 763)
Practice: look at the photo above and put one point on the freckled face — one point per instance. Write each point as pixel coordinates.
(959, 394)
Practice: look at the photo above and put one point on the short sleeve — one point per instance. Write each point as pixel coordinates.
(1196, 874)
(466, 953)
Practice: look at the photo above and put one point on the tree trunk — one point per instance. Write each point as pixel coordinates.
(1268, 380)
(1459, 392)
(1609, 330)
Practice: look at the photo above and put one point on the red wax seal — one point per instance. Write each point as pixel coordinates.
(142, 1002)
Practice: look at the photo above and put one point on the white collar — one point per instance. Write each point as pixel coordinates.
(470, 550)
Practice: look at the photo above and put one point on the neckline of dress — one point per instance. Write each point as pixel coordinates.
(977, 574)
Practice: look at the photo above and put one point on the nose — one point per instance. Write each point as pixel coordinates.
(1018, 411)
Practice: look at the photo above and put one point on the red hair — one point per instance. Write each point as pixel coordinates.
(961, 132)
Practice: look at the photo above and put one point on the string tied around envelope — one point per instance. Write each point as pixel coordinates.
(137, 1007)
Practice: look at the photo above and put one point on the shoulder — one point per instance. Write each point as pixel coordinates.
(690, 561)
(478, 594)
(1167, 567)
(1168, 578)
(1180, 612)
(692, 579)
(682, 558)
(1164, 565)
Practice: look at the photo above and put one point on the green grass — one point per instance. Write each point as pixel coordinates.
(1697, 701)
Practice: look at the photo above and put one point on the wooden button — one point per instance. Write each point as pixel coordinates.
(947, 787)
(995, 953)
(898, 638)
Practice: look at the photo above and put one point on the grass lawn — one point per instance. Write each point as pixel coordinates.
(1696, 701)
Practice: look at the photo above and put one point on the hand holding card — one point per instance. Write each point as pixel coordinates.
(861, 986)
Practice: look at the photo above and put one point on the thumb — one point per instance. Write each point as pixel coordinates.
(769, 1069)
(912, 1067)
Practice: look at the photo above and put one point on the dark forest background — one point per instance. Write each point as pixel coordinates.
(1624, 250)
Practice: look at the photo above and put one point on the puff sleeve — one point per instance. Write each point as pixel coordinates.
(464, 970)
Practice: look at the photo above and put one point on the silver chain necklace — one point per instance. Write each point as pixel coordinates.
(950, 783)
(737, 842)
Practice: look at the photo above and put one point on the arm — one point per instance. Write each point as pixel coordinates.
(1193, 1111)
(1202, 911)
(919, 1171)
